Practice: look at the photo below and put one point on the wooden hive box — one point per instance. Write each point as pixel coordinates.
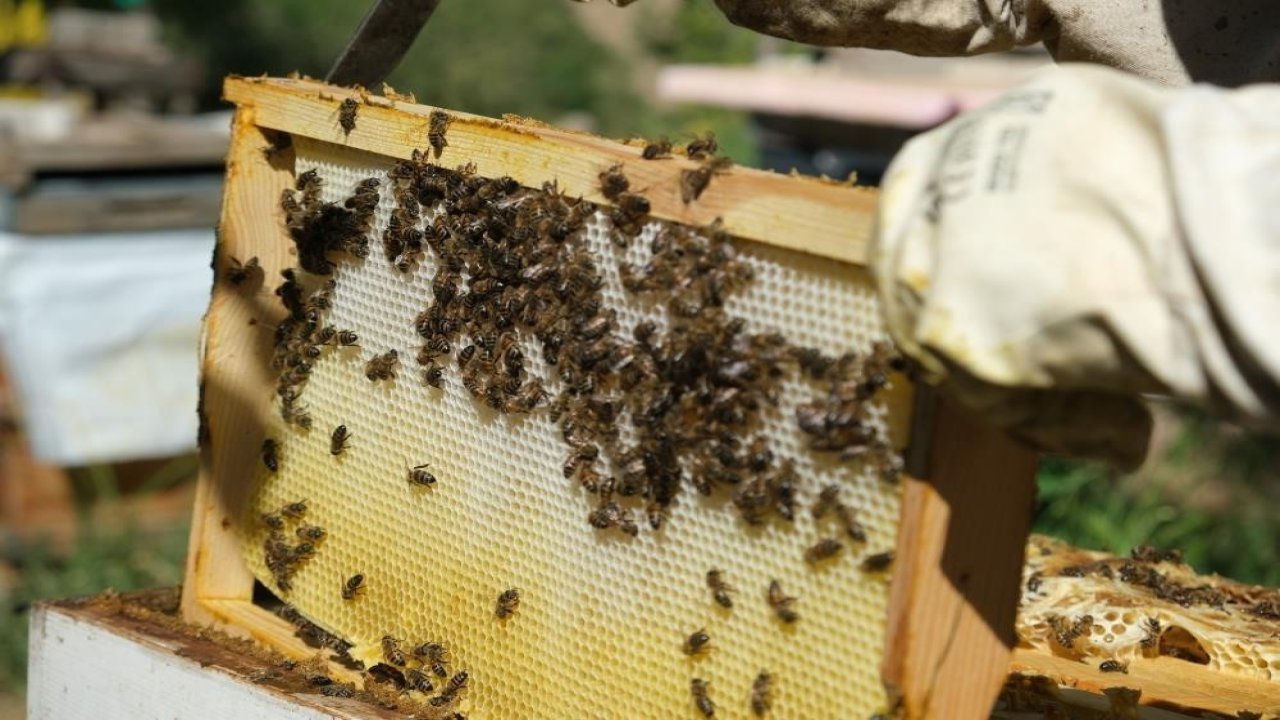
(933, 636)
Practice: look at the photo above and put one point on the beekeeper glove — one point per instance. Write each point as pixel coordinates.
(1082, 240)
(1224, 43)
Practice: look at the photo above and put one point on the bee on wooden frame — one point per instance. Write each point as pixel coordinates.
(347, 115)
(702, 147)
(1113, 666)
(240, 272)
(613, 182)
(439, 125)
(696, 181)
(660, 148)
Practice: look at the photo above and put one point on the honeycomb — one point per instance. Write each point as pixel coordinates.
(1098, 608)
(602, 617)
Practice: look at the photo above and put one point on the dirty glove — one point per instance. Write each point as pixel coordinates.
(1085, 239)
(1224, 43)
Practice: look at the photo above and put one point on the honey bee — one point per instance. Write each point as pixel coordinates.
(308, 183)
(701, 698)
(347, 338)
(719, 588)
(353, 587)
(632, 204)
(433, 655)
(456, 684)
(311, 533)
(697, 643)
(391, 651)
(1034, 582)
(852, 528)
(702, 147)
(415, 679)
(612, 182)
(696, 181)
(781, 603)
(347, 115)
(433, 376)
(338, 440)
(660, 148)
(439, 124)
(238, 273)
(296, 415)
(271, 454)
(1066, 631)
(418, 475)
(822, 550)
(828, 498)
(1152, 636)
(1113, 666)
(878, 562)
(382, 367)
(761, 693)
(508, 601)
(340, 690)
(295, 511)
(273, 521)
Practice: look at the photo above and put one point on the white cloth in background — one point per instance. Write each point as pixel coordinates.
(101, 337)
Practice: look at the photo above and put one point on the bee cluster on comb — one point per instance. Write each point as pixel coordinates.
(636, 347)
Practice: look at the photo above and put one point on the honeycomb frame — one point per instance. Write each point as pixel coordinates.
(752, 205)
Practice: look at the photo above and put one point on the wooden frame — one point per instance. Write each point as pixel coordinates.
(962, 536)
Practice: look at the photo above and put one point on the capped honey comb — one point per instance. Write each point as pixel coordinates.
(603, 617)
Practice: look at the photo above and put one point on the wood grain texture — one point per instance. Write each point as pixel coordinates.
(955, 590)
(823, 218)
(1165, 682)
(235, 381)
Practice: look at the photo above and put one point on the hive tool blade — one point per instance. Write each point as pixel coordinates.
(381, 42)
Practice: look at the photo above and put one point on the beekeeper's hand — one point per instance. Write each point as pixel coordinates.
(1085, 239)
(1173, 43)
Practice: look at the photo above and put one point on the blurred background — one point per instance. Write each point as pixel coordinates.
(111, 144)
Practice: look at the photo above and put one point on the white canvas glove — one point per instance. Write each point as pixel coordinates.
(1172, 43)
(1084, 239)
